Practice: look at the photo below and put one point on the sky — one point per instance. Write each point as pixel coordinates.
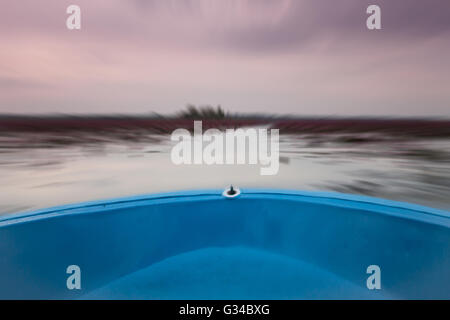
(303, 57)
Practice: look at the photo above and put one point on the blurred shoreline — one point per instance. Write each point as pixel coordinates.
(159, 124)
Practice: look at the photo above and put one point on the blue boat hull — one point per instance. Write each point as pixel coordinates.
(263, 244)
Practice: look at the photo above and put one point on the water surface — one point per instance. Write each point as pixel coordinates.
(40, 171)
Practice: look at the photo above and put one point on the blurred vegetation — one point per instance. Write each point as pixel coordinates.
(202, 112)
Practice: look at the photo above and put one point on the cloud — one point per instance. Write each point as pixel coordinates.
(233, 24)
(252, 53)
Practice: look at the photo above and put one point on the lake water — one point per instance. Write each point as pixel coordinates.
(36, 174)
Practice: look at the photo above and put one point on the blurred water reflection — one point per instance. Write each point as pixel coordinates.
(39, 171)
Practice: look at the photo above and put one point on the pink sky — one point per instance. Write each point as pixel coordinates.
(310, 57)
